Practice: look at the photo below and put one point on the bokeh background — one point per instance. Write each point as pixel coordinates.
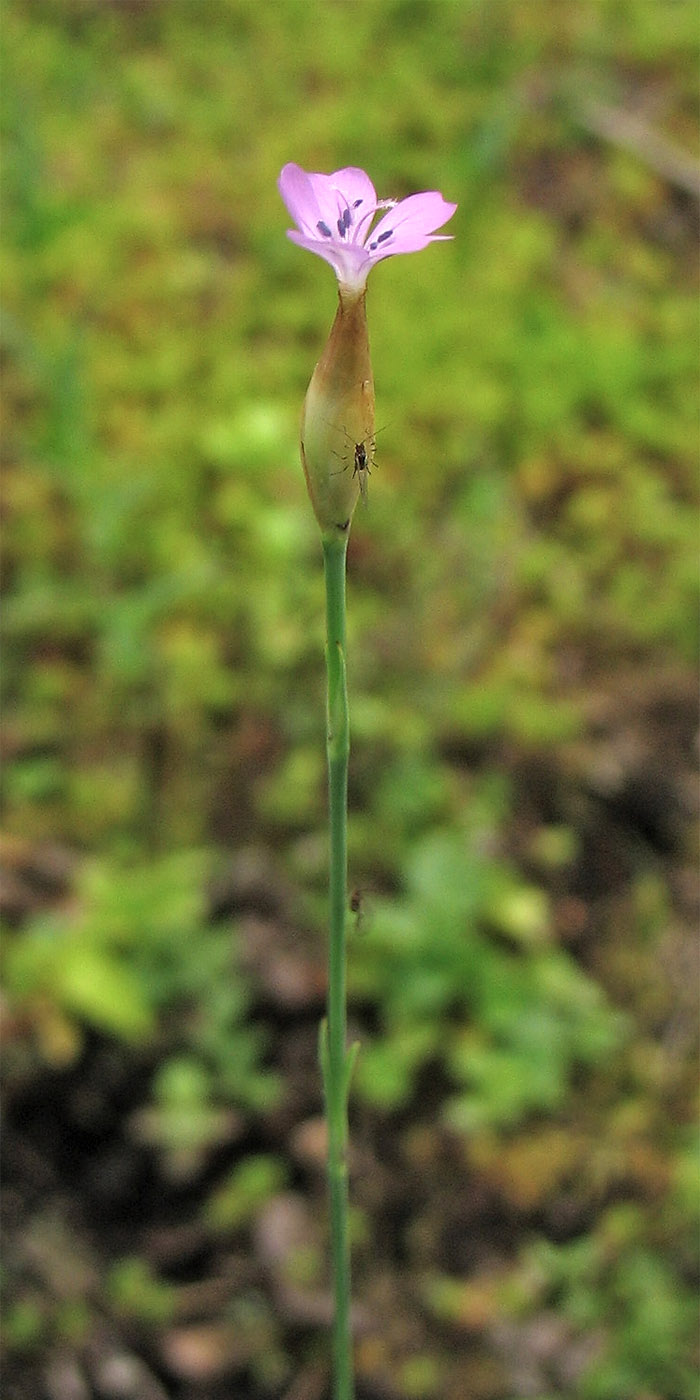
(523, 652)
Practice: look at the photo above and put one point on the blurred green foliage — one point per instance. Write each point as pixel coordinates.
(248, 1186)
(532, 533)
(508, 1017)
(141, 949)
(611, 1283)
(136, 1293)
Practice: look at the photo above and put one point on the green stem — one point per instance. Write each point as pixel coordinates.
(335, 1061)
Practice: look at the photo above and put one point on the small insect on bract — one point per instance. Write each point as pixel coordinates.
(361, 467)
(361, 459)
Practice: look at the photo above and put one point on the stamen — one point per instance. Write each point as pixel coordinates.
(357, 204)
(324, 229)
(389, 233)
(344, 222)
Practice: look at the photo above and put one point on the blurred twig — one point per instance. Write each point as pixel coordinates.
(635, 135)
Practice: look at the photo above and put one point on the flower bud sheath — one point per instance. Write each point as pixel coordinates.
(338, 413)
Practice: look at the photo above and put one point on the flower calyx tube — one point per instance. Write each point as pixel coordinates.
(337, 422)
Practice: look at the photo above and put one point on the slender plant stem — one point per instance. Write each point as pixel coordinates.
(335, 1061)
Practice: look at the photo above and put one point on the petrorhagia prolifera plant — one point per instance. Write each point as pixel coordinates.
(336, 217)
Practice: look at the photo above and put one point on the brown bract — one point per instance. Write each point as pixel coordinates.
(338, 413)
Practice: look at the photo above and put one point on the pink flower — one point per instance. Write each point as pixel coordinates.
(334, 216)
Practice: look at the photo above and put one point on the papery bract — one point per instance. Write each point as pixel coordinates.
(338, 415)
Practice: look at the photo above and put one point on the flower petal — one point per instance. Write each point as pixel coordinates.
(316, 200)
(356, 187)
(297, 190)
(411, 223)
(350, 260)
